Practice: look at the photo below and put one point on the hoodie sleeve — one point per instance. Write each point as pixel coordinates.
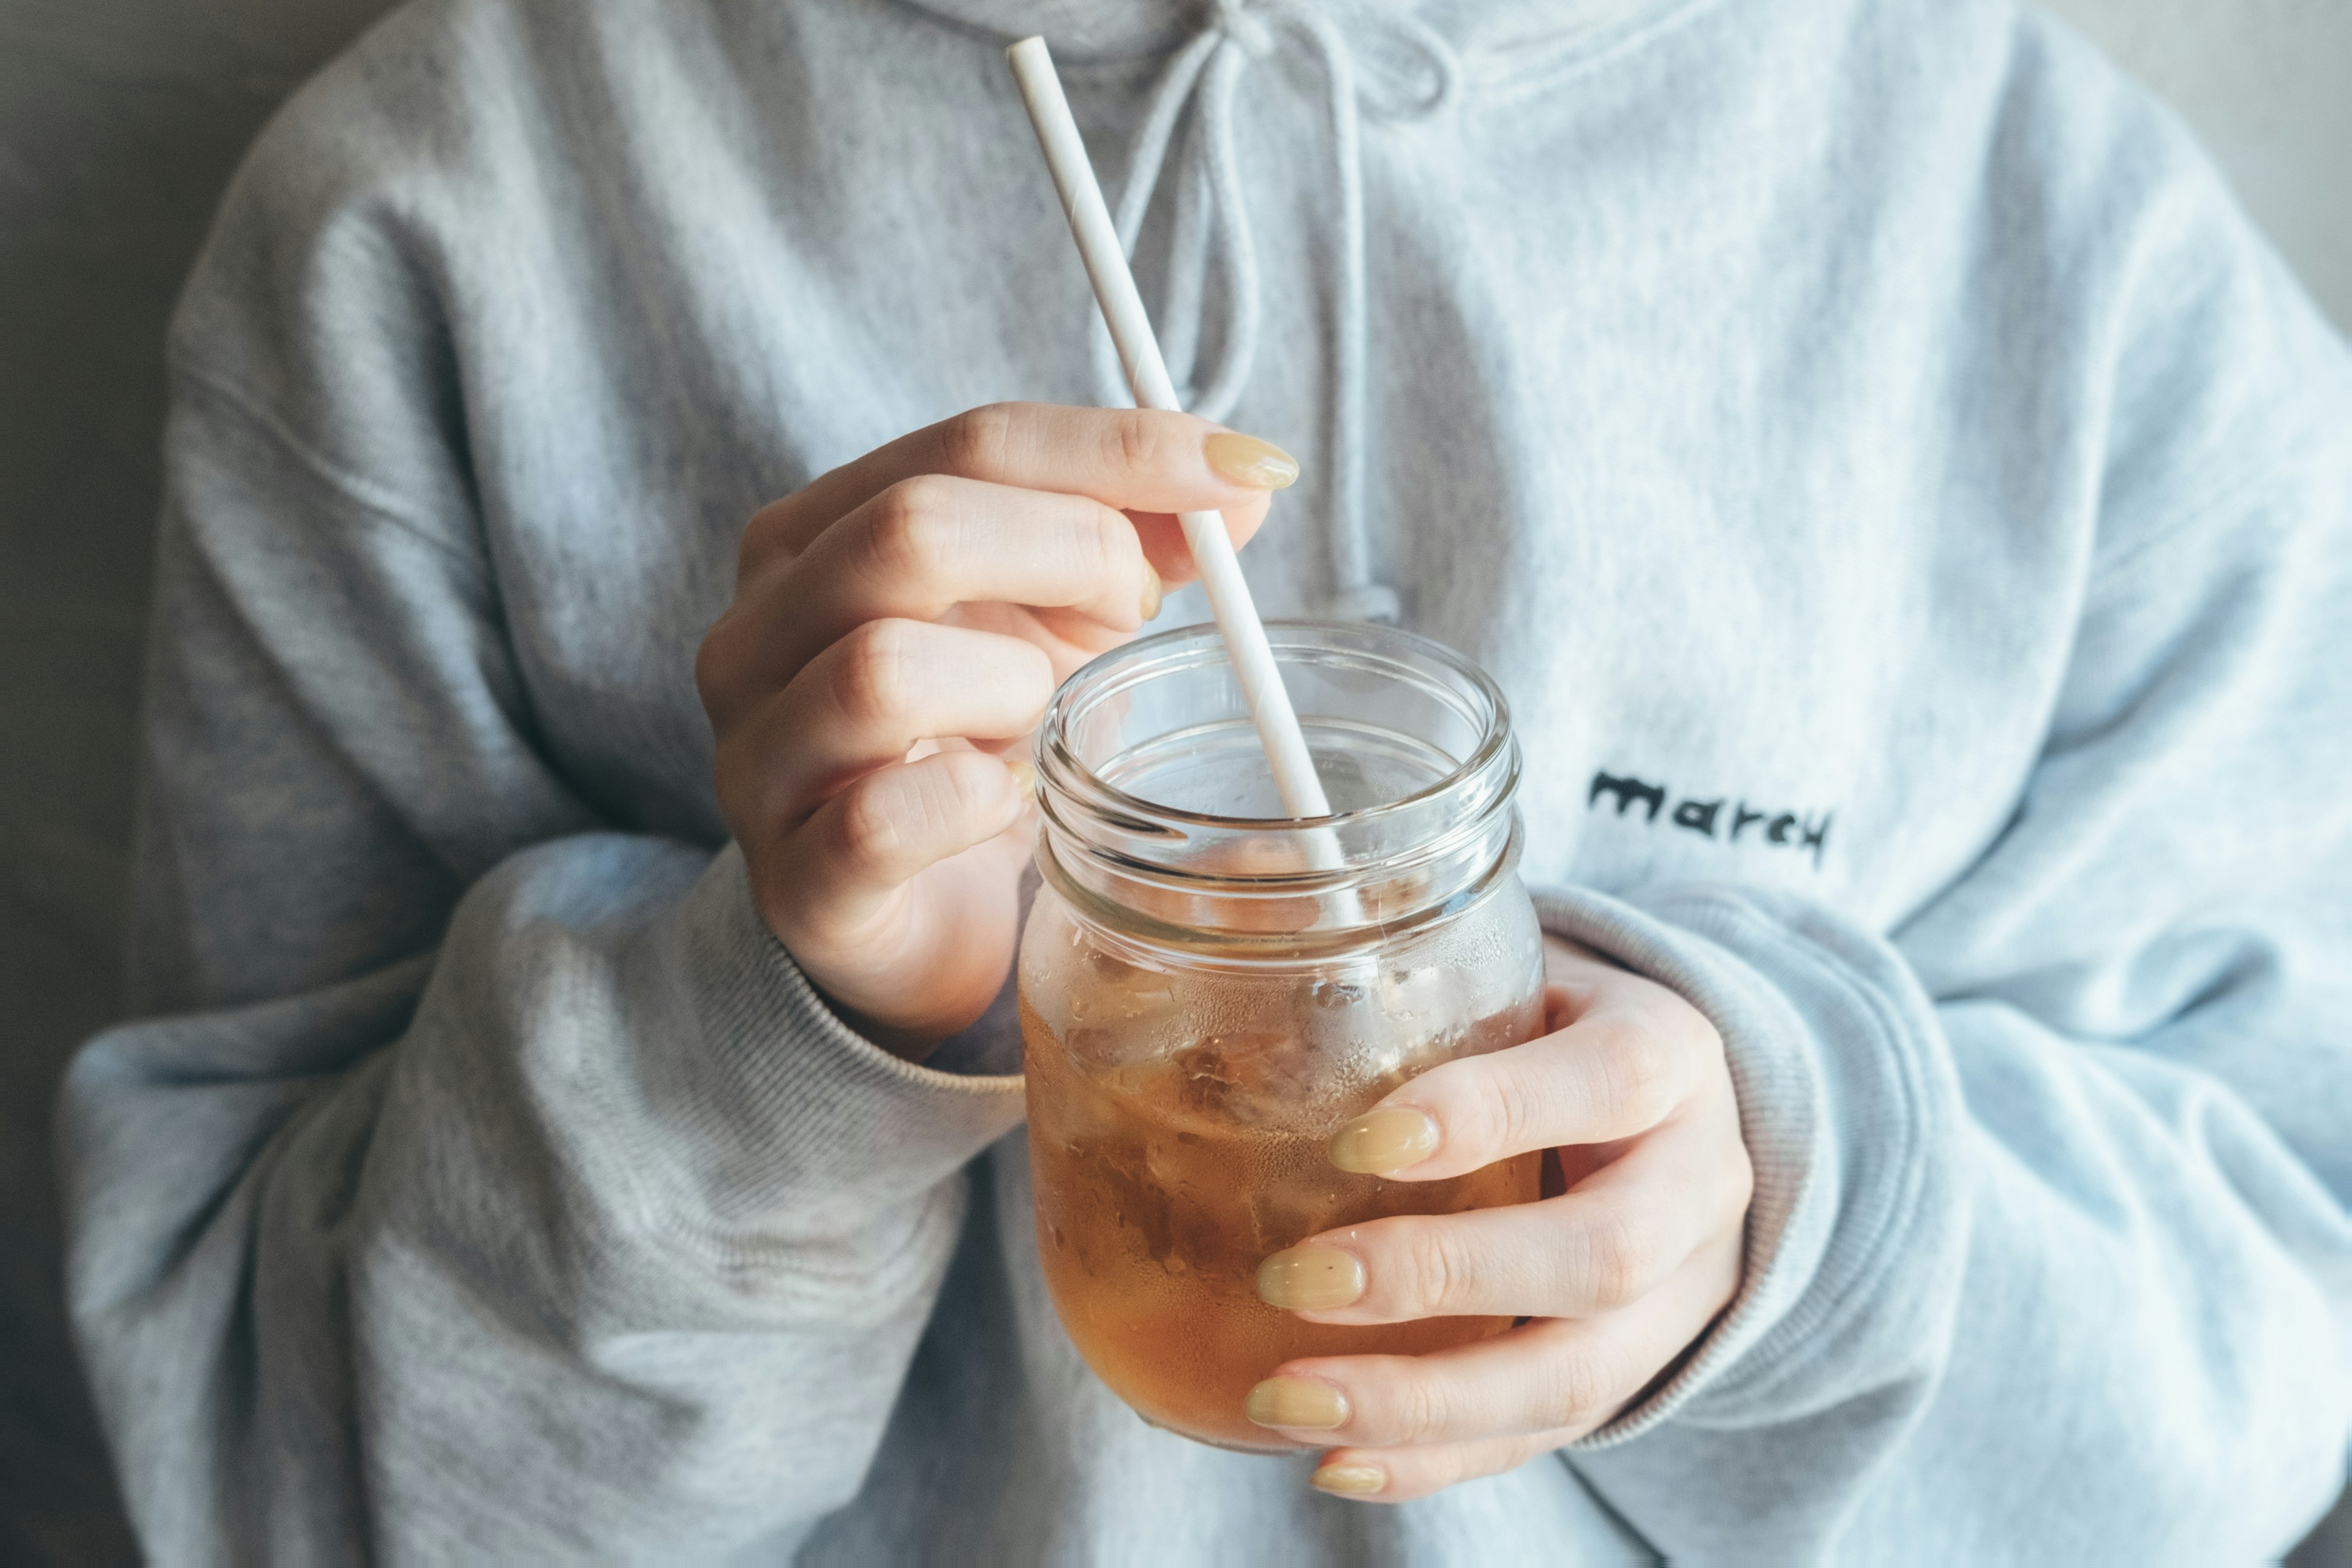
(2051, 1253)
(485, 1185)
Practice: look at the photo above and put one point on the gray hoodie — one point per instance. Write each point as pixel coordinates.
(1908, 508)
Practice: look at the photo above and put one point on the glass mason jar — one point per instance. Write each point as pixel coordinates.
(1209, 991)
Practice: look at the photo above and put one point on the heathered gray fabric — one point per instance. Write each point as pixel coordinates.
(1867, 424)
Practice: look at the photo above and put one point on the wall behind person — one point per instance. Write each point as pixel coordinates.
(120, 121)
(2268, 85)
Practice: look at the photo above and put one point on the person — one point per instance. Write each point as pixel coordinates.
(572, 1110)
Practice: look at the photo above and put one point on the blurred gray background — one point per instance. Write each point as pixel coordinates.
(120, 121)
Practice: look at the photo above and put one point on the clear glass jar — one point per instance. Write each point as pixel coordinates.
(1209, 991)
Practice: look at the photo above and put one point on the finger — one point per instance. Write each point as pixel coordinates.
(841, 871)
(1610, 1241)
(1570, 1374)
(1620, 1067)
(1401, 1475)
(913, 552)
(1129, 459)
(1573, 966)
(863, 702)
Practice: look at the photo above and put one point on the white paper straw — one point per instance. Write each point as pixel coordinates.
(1131, 330)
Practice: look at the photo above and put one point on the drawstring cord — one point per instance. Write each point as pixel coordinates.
(1210, 68)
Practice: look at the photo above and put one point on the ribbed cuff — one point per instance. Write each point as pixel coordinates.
(783, 1109)
(1850, 1111)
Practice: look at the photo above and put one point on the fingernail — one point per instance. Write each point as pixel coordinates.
(1349, 1480)
(1311, 1279)
(1305, 1403)
(1246, 461)
(1379, 1142)
(1024, 777)
(1151, 605)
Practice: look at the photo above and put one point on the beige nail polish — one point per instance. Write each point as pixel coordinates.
(1305, 1404)
(1311, 1279)
(1151, 595)
(1246, 461)
(1025, 777)
(1379, 1142)
(1349, 1480)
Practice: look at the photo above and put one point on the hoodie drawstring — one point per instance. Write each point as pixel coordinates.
(1208, 69)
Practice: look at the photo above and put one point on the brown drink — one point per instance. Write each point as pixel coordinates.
(1163, 1183)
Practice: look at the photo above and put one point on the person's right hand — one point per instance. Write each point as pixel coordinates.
(896, 622)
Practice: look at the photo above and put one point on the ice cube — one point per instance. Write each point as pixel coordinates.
(1421, 998)
(1252, 1078)
(1345, 989)
(1109, 990)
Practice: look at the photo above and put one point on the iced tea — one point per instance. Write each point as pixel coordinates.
(1179, 1137)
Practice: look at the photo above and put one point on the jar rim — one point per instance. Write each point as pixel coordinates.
(1147, 657)
(1280, 884)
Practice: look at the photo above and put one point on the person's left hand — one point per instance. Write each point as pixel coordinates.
(1618, 1276)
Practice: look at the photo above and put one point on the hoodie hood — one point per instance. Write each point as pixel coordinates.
(1381, 59)
(1082, 29)
(1109, 29)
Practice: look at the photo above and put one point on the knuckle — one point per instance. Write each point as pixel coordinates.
(1470, 1461)
(1638, 1075)
(914, 527)
(929, 811)
(1585, 1387)
(1434, 1270)
(975, 442)
(1500, 1458)
(1514, 1110)
(1138, 440)
(1106, 544)
(1420, 1410)
(1037, 670)
(972, 788)
(870, 677)
(711, 663)
(872, 833)
(1620, 1258)
(763, 536)
(1460, 1462)
(1419, 1472)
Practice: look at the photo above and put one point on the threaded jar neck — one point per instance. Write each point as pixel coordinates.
(1162, 822)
